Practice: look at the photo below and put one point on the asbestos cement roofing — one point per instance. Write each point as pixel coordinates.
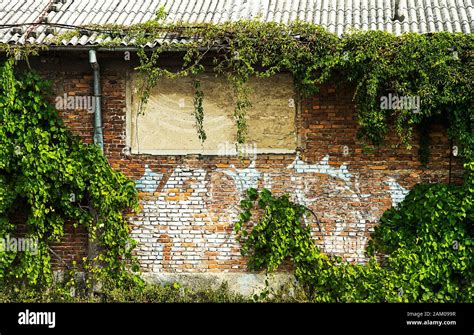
(31, 21)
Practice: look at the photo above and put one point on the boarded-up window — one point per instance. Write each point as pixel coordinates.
(167, 124)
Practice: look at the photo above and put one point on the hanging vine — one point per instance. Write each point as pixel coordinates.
(199, 110)
(435, 68)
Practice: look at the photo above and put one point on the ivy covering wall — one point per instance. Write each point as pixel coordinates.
(427, 240)
(56, 179)
(422, 250)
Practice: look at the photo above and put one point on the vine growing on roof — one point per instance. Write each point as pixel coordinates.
(436, 68)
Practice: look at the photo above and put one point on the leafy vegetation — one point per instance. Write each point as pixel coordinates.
(422, 251)
(54, 178)
(436, 68)
(128, 292)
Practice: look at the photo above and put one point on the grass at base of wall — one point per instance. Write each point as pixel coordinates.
(149, 293)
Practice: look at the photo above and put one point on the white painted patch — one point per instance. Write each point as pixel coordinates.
(323, 166)
(267, 181)
(177, 219)
(149, 250)
(244, 178)
(149, 181)
(397, 192)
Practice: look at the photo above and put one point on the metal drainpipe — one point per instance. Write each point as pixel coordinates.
(98, 136)
(93, 251)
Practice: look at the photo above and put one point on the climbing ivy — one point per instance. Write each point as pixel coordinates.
(41, 164)
(54, 178)
(422, 251)
(278, 235)
(436, 68)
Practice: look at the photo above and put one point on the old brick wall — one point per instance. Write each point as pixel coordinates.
(189, 202)
(72, 247)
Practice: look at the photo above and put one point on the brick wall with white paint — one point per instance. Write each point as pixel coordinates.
(189, 203)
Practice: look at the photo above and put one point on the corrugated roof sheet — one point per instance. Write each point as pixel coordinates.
(423, 16)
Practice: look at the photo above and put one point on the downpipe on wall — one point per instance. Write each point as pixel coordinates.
(98, 136)
(93, 249)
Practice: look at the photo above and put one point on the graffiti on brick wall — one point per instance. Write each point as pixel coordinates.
(185, 225)
(244, 178)
(180, 221)
(347, 233)
(322, 167)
